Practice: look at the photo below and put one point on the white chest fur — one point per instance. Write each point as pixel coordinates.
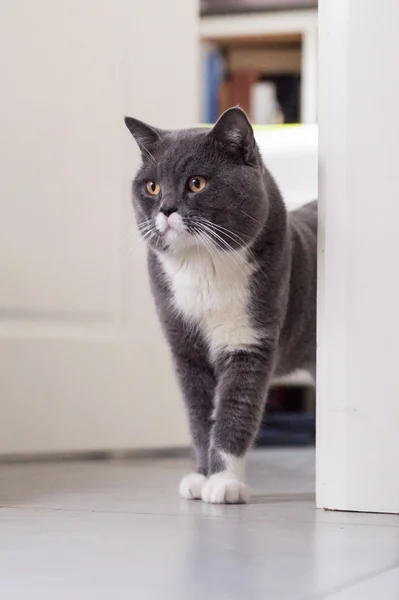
(213, 292)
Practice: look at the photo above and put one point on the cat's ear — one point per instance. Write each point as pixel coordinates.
(235, 132)
(145, 135)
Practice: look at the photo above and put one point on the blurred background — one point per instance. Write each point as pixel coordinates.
(84, 369)
(261, 55)
(83, 364)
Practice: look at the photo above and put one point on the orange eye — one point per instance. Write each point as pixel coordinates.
(196, 184)
(153, 188)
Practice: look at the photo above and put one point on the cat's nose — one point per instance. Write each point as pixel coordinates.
(168, 210)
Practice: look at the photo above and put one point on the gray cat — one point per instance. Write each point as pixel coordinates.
(234, 281)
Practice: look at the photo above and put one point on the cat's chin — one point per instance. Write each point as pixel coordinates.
(178, 242)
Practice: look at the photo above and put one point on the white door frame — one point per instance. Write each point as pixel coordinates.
(358, 296)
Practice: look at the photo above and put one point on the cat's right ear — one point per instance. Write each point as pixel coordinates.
(145, 135)
(234, 131)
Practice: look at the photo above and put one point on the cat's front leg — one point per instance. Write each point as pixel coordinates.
(198, 382)
(240, 399)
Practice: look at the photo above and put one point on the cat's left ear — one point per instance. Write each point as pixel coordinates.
(235, 132)
(145, 135)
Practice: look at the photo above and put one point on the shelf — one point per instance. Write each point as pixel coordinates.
(256, 40)
(280, 28)
(297, 379)
(217, 28)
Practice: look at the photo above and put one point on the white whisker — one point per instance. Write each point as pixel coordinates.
(129, 237)
(228, 233)
(250, 217)
(143, 236)
(200, 236)
(147, 153)
(219, 239)
(144, 224)
(231, 234)
(214, 244)
(208, 242)
(145, 229)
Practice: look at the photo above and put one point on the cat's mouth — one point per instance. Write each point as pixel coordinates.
(166, 223)
(171, 228)
(176, 232)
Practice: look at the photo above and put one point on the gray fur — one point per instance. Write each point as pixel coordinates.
(242, 197)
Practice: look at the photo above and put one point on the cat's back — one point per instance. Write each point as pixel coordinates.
(302, 224)
(305, 217)
(298, 340)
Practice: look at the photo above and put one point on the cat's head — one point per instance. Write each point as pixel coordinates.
(199, 187)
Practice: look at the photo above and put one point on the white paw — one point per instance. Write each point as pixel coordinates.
(191, 486)
(222, 489)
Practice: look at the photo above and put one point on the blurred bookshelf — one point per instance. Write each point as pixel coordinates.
(240, 6)
(262, 56)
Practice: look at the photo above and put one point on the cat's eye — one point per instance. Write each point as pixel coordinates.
(196, 184)
(153, 188)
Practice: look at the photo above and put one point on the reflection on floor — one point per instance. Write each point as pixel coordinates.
(102, 530)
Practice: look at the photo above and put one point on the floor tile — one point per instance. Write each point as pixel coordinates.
(382, 586)
(117, 529)
(68, 554)
(145, 485)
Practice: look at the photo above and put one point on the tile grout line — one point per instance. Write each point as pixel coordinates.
(352, 583)
(224, 517)
(50, 509)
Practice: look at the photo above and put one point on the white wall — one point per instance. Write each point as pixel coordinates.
(291, 154)
(358, 384)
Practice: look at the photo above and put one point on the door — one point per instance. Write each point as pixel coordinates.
(358, 329)
(83, 365)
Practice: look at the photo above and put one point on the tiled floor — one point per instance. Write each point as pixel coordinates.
(117, 530)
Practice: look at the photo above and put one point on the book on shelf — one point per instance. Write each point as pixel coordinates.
(264, 81)
(215, 73)
(241, 83)
(269, 60)
(265, 108)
